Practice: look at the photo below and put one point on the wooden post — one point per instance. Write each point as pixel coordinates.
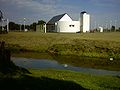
(4, 55)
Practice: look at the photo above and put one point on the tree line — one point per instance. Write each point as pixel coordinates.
(17, 27)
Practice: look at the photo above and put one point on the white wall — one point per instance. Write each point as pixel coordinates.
(68, 26)
(65, 18)
(86, 22)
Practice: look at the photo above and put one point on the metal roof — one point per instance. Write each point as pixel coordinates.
(56, 18)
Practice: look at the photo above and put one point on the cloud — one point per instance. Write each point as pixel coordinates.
(106, 3)
(45, 6)
(41, 6)
(44, 9)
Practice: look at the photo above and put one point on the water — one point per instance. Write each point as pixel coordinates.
(47, 64)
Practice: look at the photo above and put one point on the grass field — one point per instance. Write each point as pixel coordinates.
(95, 45)
(102, 45)
(80, 44)
(58, 80)
(43, 42)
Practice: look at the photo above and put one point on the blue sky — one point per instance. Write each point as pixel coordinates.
(103, 12)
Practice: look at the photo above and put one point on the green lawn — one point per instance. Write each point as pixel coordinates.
(59, 80)
(87, 81)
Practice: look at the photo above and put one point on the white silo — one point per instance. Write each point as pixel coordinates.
(100, 29)
(84, 22)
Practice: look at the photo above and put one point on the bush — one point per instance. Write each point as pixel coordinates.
(90, 48)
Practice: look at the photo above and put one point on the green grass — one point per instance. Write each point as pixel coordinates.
(81, 44)
(87, 81)
(58, 45)
(102, 45)
(59, 80)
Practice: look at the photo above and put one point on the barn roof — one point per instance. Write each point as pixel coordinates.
(56, 18)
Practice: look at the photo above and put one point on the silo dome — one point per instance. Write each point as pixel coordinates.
(83, 12)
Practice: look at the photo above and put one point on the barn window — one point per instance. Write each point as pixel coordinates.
(71, 25)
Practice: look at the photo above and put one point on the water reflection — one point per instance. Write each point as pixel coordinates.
(45, 64)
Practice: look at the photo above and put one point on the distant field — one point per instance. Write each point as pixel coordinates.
(110, 36)
(80, 44)
(32, 39)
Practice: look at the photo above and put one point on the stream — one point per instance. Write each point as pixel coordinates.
(52, 64)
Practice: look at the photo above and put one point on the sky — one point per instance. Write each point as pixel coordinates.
(103, 12)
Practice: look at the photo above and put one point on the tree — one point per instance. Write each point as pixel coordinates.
(41, 22)
(1, 15)
(27, 27)
(13, 26)
(118, 29)
(113, 28)
(33, 26)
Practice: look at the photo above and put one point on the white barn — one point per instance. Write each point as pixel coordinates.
(64, 23)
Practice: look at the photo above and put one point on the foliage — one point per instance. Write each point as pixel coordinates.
(91, 48)
(113, 28)
(33, 26)
(1, 15)
(41, 22)
(13, 26)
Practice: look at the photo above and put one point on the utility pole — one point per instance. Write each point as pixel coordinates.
(115, 25)
(106, 26)
(95, 25)
(2, 24)
(24, 23)
(7, 25)
(20, 27)
(110, 25)
(45, 27)
(20, 23)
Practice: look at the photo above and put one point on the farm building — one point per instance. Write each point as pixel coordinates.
(41, 28)
(64, 23)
